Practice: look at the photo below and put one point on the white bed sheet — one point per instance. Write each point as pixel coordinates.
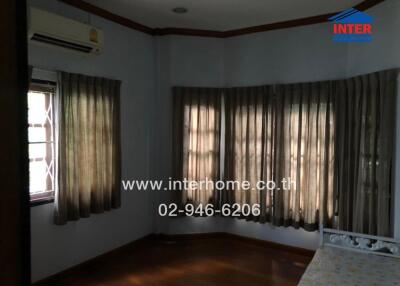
(340, 267)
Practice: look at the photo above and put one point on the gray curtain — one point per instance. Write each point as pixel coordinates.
(196, 141)
(304, 153)
(248, 144)
(287, 134)
(365, 120)
(333, 139)
(88, 146)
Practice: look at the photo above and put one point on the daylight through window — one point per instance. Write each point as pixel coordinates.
(41, 144)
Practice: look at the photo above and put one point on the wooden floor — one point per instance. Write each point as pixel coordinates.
(191, 262)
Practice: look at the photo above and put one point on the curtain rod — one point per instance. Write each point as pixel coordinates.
(44, 70)
(56, 71)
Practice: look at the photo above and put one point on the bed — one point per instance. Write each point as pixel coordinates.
(346, 258)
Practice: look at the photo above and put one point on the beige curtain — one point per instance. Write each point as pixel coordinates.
(88, 146)
(197, 120)
(283, 135)
(365, 120)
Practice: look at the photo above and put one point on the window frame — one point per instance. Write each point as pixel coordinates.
(45, 86)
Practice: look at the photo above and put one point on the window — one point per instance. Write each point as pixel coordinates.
(41, 141)
(272, 135)
(197, 124)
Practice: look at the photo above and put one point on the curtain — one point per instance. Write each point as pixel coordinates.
(283, 135)
(88, 146)
(197, 120)
(304, 153)
(365, 120)
(248, 144)
(334, 140)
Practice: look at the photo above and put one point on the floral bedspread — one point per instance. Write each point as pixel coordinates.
(333, 267)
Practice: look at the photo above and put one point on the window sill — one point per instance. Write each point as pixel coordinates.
(42, 198)
(42, 201)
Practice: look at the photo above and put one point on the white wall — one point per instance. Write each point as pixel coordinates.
(384, 51)
(128, 56)
(284, 56)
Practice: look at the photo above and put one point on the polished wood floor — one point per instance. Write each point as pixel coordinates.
(191, 262)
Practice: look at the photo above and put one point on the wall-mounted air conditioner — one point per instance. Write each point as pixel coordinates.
(54, 30)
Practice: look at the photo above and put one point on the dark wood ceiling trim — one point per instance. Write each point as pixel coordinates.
(109, 16)
(297, 22)
(279, 25)
(188, 32)
(364, 5)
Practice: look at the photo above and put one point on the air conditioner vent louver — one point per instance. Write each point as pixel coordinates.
(53, 30)
(61, 43)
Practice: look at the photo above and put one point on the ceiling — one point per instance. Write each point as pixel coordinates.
(219, 15)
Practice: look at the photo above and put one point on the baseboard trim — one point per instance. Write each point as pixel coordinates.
(178, 237)
(75, 268)
(231, 236)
